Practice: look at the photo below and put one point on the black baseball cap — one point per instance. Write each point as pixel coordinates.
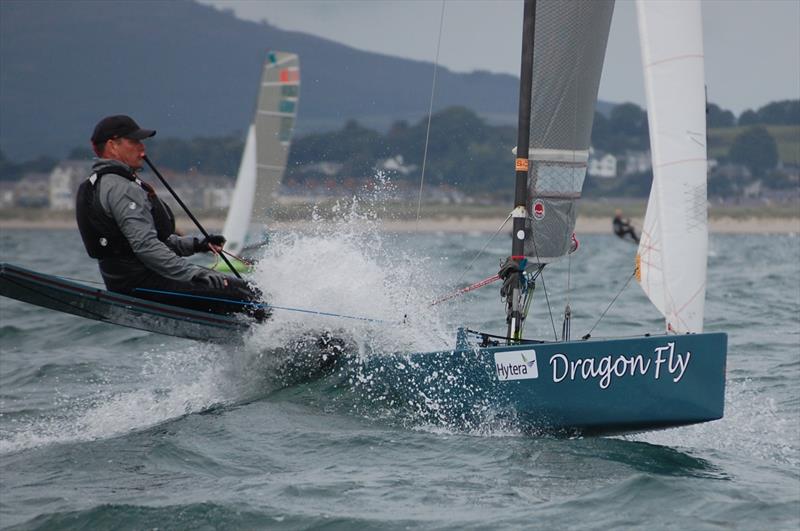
(119, 126)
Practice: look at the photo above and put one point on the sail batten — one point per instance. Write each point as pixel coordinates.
(674, 245)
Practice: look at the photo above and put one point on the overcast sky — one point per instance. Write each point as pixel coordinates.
(752, 47)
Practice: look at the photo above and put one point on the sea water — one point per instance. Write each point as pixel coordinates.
(103, 427)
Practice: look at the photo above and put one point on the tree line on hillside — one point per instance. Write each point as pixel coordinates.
(466, 152)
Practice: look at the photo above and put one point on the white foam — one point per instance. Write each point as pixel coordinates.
(346, 267)
(752, 428)
(171, 384)
(349, 267)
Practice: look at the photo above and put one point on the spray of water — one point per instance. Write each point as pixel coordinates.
(345, 266)
(752, 428)
(171, 384)
(348, 266)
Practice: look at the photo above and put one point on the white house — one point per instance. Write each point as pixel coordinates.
(605, 166)
(64, 181)
(397, 164)
(32, 191)
(7, 194)
(637, 162)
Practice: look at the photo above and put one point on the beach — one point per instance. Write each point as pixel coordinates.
(584, 225)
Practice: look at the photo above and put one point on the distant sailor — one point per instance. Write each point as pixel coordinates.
(131, 232)
(623, 227)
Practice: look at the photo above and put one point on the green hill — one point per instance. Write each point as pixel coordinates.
(190, 70)
(787, 137)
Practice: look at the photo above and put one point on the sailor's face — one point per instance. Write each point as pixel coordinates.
(127, 151)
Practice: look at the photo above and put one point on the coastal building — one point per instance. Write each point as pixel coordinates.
(397, 164)
(637, 162)
(64, 181)
(196, 190)
(33, 190)
(7, 194)
(604, 166)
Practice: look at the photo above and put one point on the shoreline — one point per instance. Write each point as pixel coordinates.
(584, 225)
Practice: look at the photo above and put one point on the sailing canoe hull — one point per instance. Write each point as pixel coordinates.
(62, 295)
(586, 387)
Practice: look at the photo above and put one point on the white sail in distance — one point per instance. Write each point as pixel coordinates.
(237, 224)
(266, 149)
(672, 255)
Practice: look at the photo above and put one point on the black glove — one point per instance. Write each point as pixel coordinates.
(202, 246)
(212, 279)
(511, 274)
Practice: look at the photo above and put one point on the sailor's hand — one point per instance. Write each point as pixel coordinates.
(212, 279)
(511, 274)
(212, 243)
(509, 267)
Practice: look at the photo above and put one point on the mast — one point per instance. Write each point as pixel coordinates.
(520, 211)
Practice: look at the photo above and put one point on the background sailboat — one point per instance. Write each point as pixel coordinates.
(265, 153)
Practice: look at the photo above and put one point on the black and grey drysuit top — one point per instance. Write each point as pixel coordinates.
(130, 230)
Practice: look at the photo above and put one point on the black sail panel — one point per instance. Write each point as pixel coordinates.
(569, 48)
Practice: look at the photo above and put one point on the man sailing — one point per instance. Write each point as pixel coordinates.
(131, 232)
(622, 227)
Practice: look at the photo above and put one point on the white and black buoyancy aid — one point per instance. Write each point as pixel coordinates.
(100, 233)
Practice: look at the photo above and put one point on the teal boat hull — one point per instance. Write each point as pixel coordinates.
(578, 387)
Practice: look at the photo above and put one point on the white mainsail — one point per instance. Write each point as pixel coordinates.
(672, 255)
(266, 148)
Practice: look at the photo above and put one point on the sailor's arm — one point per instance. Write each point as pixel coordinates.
(189, 245)
(129, 206)
(182, 245)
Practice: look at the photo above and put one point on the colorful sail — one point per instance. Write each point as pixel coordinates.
(569, 47)
(266, 149)
(671, 260)
(277, 108)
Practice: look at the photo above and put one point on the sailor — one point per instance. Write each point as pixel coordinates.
(131, 231)
(622, 227)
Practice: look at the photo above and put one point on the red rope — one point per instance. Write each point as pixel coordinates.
(243, 260)
(462, 291)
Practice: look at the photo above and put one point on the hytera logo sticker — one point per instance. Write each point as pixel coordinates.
(516, 365)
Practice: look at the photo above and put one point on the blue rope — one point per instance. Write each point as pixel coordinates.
(261, 305)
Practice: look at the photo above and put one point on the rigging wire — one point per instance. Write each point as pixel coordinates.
(526, 306)
(544, 286)
(251, 304)
(568, 308)
(483, 249)
(430, 114)
(549, 310)
(589, 333)
(218, 299)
